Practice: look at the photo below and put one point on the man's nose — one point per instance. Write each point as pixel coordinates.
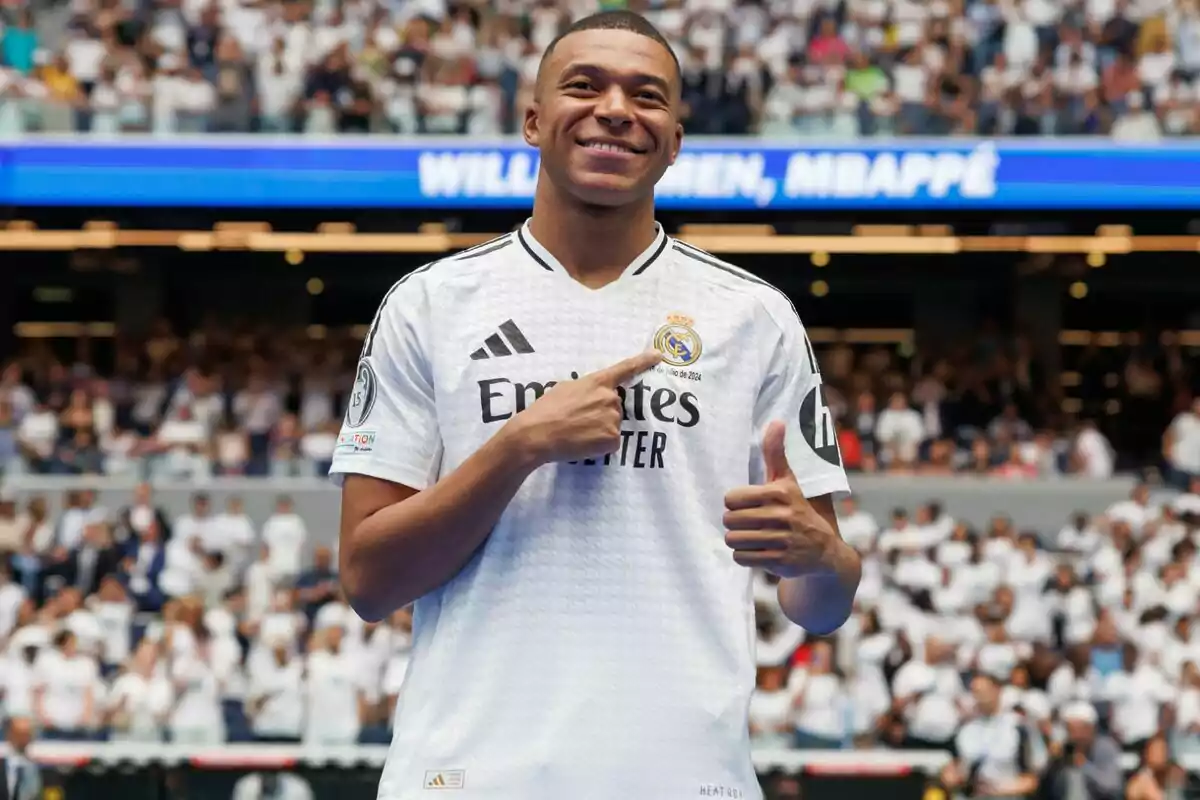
(614, 107)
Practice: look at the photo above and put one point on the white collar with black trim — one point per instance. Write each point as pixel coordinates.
(638, 266)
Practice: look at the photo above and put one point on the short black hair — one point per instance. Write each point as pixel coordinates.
(617, 20)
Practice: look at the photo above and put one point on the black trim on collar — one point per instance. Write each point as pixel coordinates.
(532, 253)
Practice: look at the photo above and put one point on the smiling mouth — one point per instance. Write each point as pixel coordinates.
(612, 147)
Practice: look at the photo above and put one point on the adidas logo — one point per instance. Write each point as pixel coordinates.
(505, 342)
(448, 779)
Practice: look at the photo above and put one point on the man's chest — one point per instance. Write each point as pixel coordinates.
(499, 359)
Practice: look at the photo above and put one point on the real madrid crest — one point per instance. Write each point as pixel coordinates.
(678, 341)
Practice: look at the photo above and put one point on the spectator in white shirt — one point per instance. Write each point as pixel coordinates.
(1157, 63)
(1018, 696)
(196, 718)
(282, 623)
(259, 586)
(141, 698)
(1070, 606)
(12, 596)
(1187, 712)
(868, 687)
(65, 690)
(257, 408)
(1078, 536)
(899, 432)
(181, 443)
(1137, 124)
(1181, 445)
(285, 534)
(821, 703)
(1137, 693)
(275, 699)
(113, 611)
(902, 534)
(771, 709)
(19, 678)
(1136, 512)
(37, 434)
(1092, 454)
(956, 550)
(13, 389)
(79, 512)
(857, 525)
(183, 566)
(200, 524)
(237, 533)
(335, 701)
(928, 692)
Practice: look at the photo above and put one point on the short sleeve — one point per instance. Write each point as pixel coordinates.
(792, 392)
(390, 428)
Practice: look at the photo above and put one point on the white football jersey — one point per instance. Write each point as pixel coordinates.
(601, 644)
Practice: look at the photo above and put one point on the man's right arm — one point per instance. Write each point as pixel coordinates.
(398, 544)
(406, 531)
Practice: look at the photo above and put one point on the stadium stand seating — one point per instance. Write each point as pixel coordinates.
(798, 68)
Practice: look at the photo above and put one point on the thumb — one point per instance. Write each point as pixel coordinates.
(774, 454)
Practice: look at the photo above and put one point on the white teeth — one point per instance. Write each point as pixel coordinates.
(609, 148)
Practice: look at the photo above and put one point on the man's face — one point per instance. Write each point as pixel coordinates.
(606, 117)
(987, 695)
(1078, 731)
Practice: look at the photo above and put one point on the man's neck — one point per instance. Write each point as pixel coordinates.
(594, 245)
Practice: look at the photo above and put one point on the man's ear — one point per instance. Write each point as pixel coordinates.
(529, 126)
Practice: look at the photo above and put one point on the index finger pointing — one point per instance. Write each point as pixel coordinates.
(622, 371)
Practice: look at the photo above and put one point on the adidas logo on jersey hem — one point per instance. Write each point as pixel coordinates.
(508, 340)
(445, 779)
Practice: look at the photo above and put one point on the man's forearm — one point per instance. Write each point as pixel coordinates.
(407, 549)
(821, 602)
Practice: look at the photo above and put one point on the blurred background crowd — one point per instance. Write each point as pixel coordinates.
(1071, 645)
(783, 68)
(134, 624)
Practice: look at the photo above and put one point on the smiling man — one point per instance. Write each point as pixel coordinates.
(566, 446)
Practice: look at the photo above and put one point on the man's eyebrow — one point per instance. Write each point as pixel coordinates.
(640, 78)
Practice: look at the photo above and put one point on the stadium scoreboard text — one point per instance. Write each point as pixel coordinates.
(710, 175)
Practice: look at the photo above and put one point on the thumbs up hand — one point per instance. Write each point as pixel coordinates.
(773, 526)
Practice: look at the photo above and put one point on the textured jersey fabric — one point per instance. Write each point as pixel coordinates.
(601, 643)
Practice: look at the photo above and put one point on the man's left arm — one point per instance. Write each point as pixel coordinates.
(786, 523)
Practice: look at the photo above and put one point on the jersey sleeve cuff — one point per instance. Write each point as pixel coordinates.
(818, 487)
(409, 476)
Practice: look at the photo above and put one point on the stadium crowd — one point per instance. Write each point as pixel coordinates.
(132, 623)
(226, 400)
(129, 624)
(1011, 649)
(784, 68)
(1035, 657)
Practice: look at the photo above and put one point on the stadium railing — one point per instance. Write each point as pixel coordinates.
(137, 771)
